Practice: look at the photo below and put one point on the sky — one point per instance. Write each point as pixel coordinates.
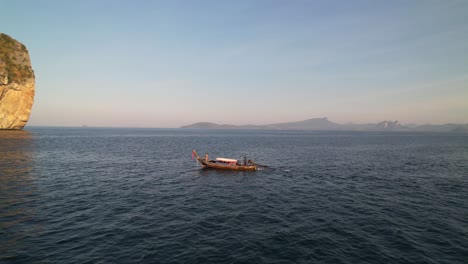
(173, 63)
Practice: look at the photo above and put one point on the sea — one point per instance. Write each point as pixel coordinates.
(128, 195)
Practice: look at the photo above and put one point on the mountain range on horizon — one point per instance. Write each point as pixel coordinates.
(323, 124)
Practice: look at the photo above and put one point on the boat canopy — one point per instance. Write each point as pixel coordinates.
(226, 160)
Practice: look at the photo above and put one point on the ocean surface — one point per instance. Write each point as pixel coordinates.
(87, 195)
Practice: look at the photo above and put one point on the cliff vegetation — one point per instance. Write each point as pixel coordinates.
(15, 65)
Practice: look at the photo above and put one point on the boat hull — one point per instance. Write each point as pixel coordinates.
(211, 165)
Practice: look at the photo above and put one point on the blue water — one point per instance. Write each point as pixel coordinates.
(134, 195)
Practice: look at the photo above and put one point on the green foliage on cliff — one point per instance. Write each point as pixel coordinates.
(14, 60)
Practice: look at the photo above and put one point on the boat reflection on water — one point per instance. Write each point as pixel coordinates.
(223, 173)
(18, 191)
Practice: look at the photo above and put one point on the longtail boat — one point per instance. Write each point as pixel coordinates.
(225, 164)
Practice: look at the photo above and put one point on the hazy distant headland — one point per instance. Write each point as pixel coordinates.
(323, 124)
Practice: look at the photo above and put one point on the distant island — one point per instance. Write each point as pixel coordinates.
(323, 124)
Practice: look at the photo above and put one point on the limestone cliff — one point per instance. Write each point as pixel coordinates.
(16, 84)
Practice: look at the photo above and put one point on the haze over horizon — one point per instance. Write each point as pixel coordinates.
(174, 63)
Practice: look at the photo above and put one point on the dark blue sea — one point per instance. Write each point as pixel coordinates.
(88, 195)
